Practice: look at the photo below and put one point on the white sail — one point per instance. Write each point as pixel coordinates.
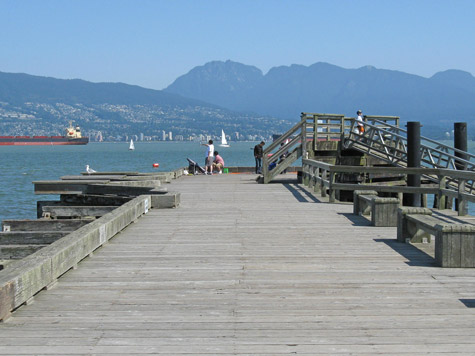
(224, 142)
(131, 147)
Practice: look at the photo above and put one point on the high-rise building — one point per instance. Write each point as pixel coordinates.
(170, 136)
(164, 135)
(141, 136)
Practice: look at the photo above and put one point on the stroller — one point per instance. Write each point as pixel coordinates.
(194, 167)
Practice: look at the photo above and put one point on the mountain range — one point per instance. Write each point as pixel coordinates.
(285, 91)
(36, 105)
(237, 98)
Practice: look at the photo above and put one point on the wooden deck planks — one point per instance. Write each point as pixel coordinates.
(247, 269)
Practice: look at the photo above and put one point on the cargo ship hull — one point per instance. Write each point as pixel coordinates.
(41, 140)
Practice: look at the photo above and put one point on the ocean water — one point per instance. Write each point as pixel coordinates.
(22, 165)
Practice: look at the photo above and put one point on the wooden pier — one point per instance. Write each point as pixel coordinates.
(241, 268)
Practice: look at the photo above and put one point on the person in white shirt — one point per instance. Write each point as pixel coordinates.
(209, 157)
(359, 122)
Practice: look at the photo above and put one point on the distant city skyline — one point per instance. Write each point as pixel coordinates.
(97, 136)
(152, 42)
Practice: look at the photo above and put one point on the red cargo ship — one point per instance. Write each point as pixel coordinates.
(73, 137)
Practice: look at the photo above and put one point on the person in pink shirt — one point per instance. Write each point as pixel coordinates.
(218, 162)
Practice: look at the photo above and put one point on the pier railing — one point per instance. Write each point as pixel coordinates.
(313, 127)
(323, 178)
(389, 142)
(285, 150)
(20, 281)
(382, 139)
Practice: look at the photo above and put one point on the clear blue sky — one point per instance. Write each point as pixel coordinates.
(151, 43)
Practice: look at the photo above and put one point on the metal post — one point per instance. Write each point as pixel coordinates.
(460, 142)
(414, 160)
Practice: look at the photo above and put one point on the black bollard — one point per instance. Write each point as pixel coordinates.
(414, 160)
(460, 143)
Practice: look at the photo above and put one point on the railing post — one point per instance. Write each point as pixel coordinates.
(304, 138)
(323, 190)
(441, 198)
(311, 181)
(265, 169)
(342, 129)
(305, 174)
(462, 208)
(331, 191)
(316, 187)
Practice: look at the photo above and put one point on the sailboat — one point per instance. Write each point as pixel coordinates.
(131, 147)
(224, 142)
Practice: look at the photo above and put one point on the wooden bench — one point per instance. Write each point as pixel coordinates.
(454, 241)
(383, 211)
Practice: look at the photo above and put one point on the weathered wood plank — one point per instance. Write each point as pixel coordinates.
(20, 281)
(30, 237)
(17, 252)
(42, 225)
(94, 177)
(247, 269)
(121, 190)
(59, 211)
(64, 187)
(110, 173)
(98, 200)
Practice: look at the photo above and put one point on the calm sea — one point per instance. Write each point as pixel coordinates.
(23, 165)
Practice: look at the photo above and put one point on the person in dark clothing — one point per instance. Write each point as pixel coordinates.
(258, 153)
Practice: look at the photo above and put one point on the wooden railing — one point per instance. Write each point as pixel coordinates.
(383, 139)
(328, 127)
(323, 177)
(292, 145)
(285, 150)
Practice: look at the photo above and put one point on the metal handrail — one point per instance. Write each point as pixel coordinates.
(393, 139)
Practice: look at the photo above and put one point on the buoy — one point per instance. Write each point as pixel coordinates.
(156, 165)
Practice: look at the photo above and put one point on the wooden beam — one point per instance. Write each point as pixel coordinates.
(110, 173)
(30, 237)
(76, 211)
(64, 186)
(93, 177)
(43, 225)
(120, 190)
(90, 199)
(17, 252)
